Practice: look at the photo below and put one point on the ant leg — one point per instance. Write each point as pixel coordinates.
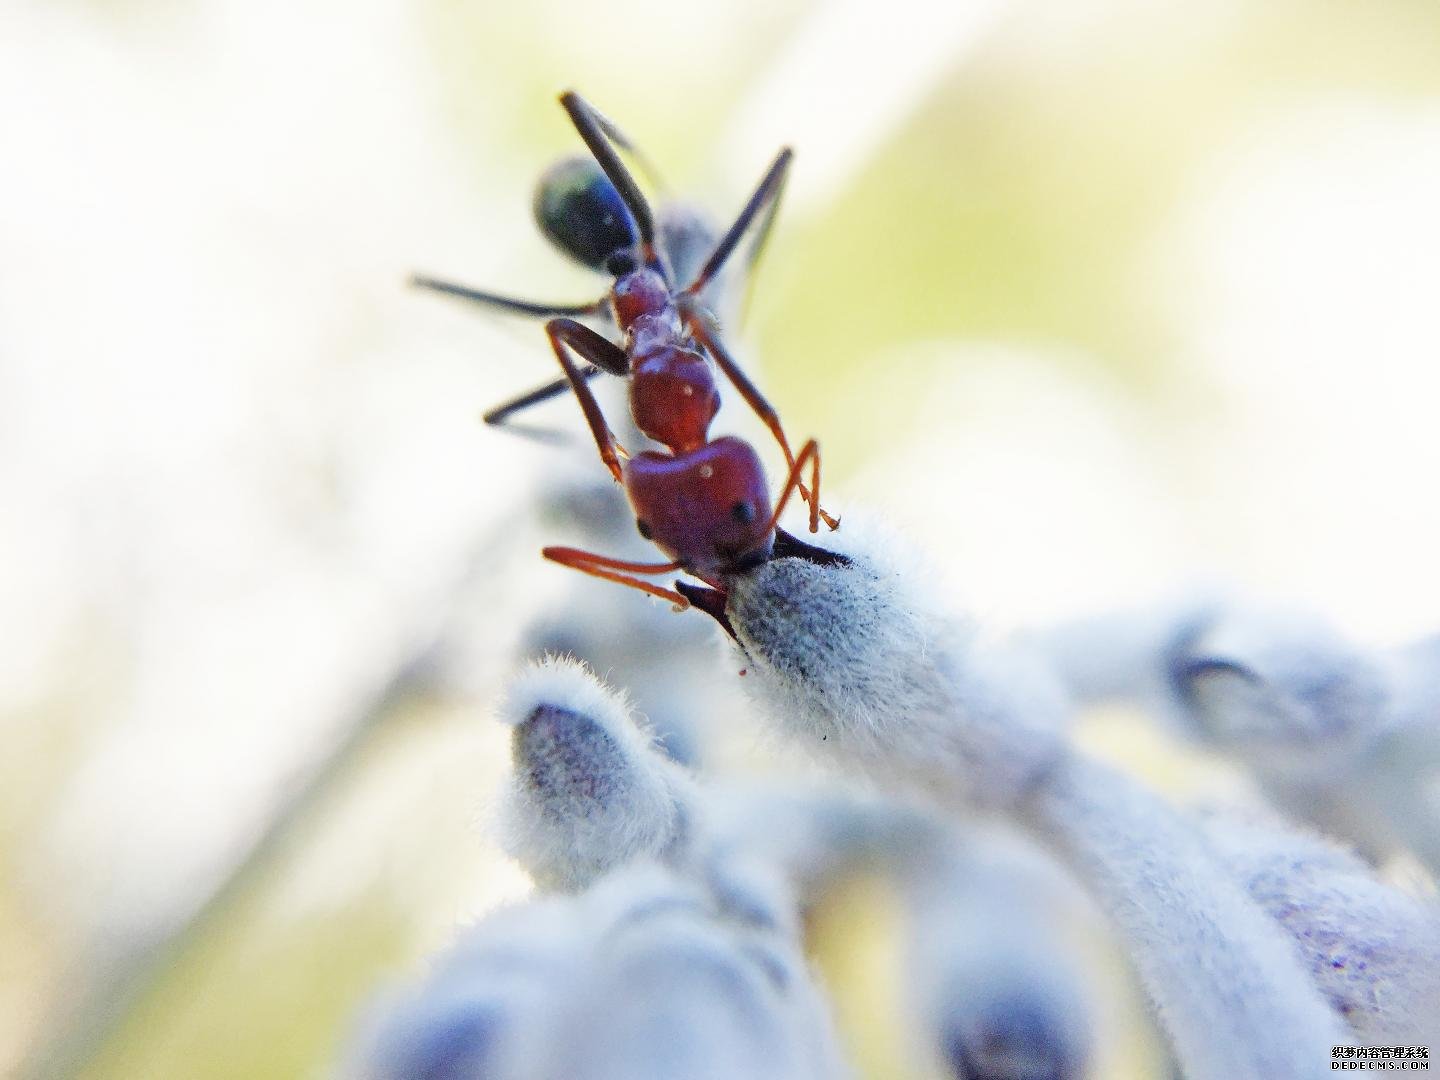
(601, 566)
(600, 136)
(605, 355)
(500, 413)
(505, 303)
(765, 200)
(809, 454)
(704, 328)
(620, 139)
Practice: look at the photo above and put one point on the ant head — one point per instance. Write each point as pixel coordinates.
(581, 213)
(708, 509)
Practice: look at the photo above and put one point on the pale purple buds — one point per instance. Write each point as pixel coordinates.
(1373, 950)
(1281, 691)
(854, 655)
(588, 791)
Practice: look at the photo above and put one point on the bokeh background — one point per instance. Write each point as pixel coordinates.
(1099, 300)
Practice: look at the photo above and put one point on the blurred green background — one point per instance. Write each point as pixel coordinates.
(1097, 299)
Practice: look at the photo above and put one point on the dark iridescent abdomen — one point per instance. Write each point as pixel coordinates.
(581, 213)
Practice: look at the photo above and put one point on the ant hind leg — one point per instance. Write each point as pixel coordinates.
(601, 136)
(502, 412)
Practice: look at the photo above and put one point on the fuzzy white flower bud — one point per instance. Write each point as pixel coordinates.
(677, 989)
(851, 653)
(857, 662)
(993, 991)
(588, 792)
(640, 976)
(1283, 692)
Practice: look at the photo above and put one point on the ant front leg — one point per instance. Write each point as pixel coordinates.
(705, 330)
(809, 455)
(602, 566)
(605, 355)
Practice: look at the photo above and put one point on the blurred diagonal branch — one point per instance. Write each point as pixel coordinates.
(103, 1002)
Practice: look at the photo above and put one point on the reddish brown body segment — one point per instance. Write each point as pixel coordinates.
(704, 503)
(708, 509)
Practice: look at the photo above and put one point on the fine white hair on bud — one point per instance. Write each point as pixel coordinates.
(480, 1010)
(588, 791)
(1373, 950)
(858, 662)
(851, 653)
(1233, 993)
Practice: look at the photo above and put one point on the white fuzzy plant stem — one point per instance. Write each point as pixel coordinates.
(1228, 985)
(856, 661)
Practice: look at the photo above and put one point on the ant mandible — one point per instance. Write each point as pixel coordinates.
(704, 503)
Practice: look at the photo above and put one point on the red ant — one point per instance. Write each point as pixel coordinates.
(704, 503)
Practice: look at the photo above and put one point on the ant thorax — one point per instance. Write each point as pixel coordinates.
(673, 396)
(652, 333)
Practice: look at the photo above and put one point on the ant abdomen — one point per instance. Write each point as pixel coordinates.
(581, 213)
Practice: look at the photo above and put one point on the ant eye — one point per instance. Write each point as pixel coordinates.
(743, 512)
(644, 529)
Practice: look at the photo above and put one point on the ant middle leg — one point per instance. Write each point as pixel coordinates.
(567, 334)
(602, 566)
(705, 330)
(762, 205)
(509, 304)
